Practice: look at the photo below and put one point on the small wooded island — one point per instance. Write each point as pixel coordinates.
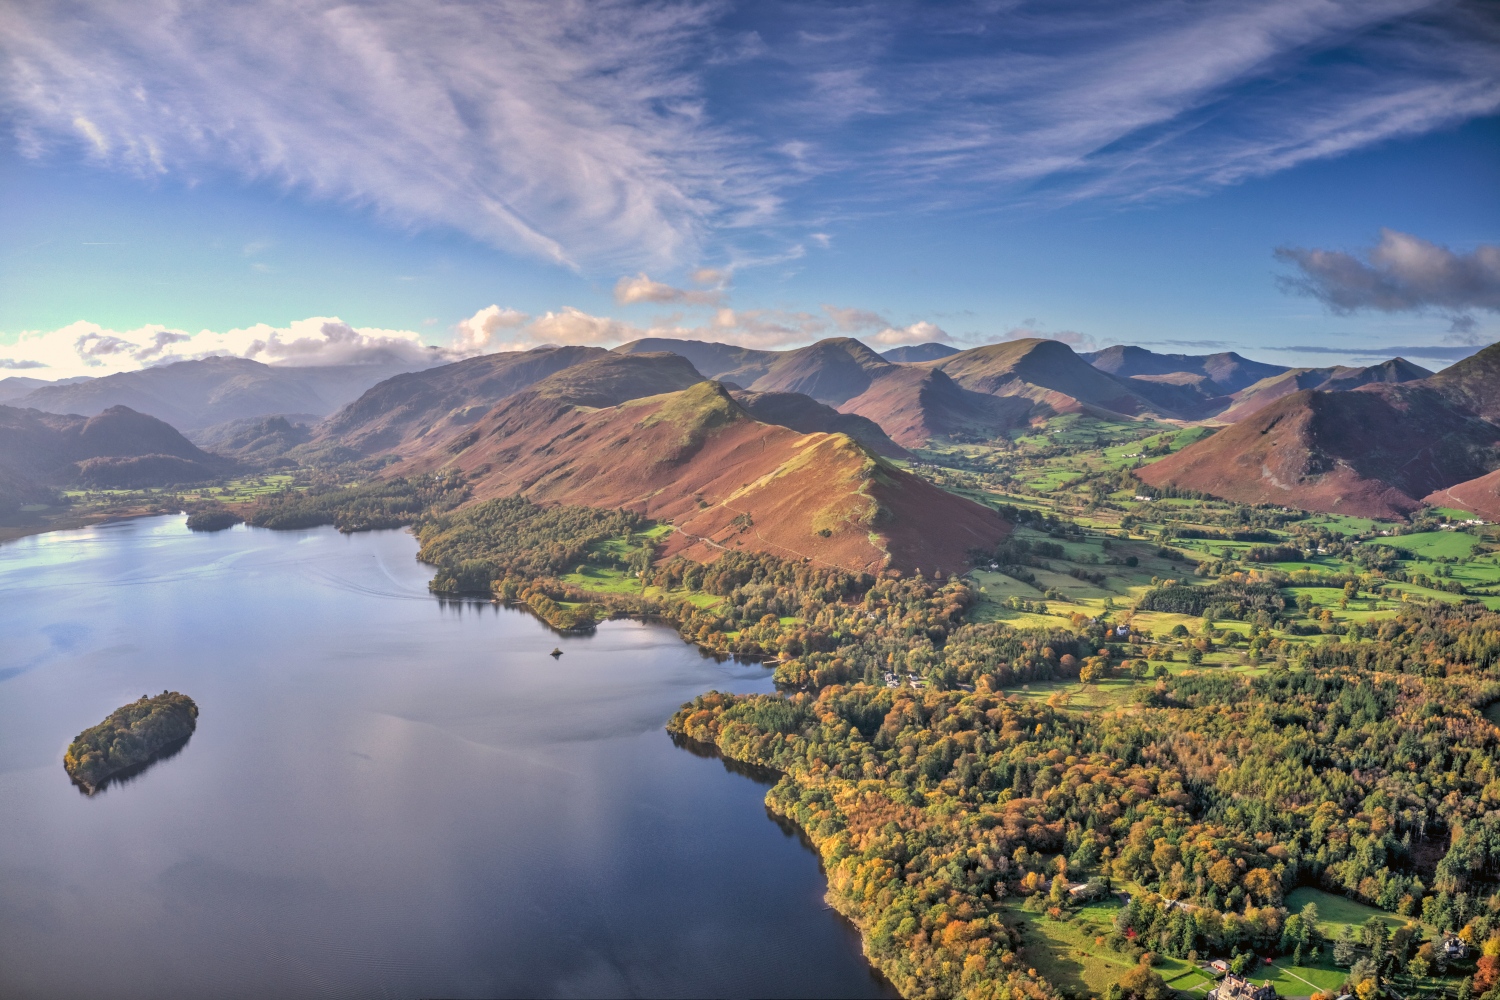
(131, 737)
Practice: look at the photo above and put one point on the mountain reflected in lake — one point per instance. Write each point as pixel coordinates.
(386, 794)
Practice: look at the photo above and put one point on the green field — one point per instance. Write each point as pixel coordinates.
(1433, 544)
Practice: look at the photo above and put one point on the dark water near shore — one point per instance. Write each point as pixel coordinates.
(387, 796)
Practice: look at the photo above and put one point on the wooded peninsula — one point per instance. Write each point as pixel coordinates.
(1259, 776)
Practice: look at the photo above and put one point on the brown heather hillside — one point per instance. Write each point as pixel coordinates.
(1478, 496)
(698, 460)
(1373, 452)
(917, 405)
(1046, 372)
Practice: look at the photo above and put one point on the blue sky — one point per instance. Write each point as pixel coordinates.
(1307, 182)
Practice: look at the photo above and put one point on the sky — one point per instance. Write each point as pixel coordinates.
(315, 182)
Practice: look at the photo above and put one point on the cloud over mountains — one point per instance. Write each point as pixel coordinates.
(1402, 273)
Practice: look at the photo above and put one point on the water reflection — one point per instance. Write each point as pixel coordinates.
(129, 774)
(387, 794)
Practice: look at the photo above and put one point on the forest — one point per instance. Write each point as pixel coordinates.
(129, 738)
(1212, 799)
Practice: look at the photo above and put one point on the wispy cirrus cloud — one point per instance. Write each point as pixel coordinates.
(1128, 101)
(636, 133)
(574, 131)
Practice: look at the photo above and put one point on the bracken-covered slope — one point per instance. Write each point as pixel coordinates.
(116, 448)
(191, 395)
(438, 401)
(1373, 452)
(726, 481)
(1478, 496)
(1046, 372)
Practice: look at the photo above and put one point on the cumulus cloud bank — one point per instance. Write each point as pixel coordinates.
(1402, 273)
(85, 348)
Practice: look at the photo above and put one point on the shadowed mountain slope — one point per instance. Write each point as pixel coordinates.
(195, 394)
(116, 448)
(1338, 378)
(1228, 371)
(918, 352)
(1473, 383)
(831, 371)
(725, 480)
(724, 362)
(1046, 372)
(808, 416)
(917, 405)
(258, 440)
(1193, 397)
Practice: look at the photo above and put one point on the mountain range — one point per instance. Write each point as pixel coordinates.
(118, 448)
(782, 451)
(195, 395)
(1379, 449)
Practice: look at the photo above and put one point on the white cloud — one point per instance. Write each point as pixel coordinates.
(478, 333)
(852, 320)
(84, 348)
(921, 332)
(574, 131)
(642, 289)
(1402, 273)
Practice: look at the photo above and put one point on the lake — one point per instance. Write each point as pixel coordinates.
(387, 795)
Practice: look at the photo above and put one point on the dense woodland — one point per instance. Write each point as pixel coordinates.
(130, 737)
(1213, 799)
(392, 503)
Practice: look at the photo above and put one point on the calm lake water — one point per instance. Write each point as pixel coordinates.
(387, 795)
